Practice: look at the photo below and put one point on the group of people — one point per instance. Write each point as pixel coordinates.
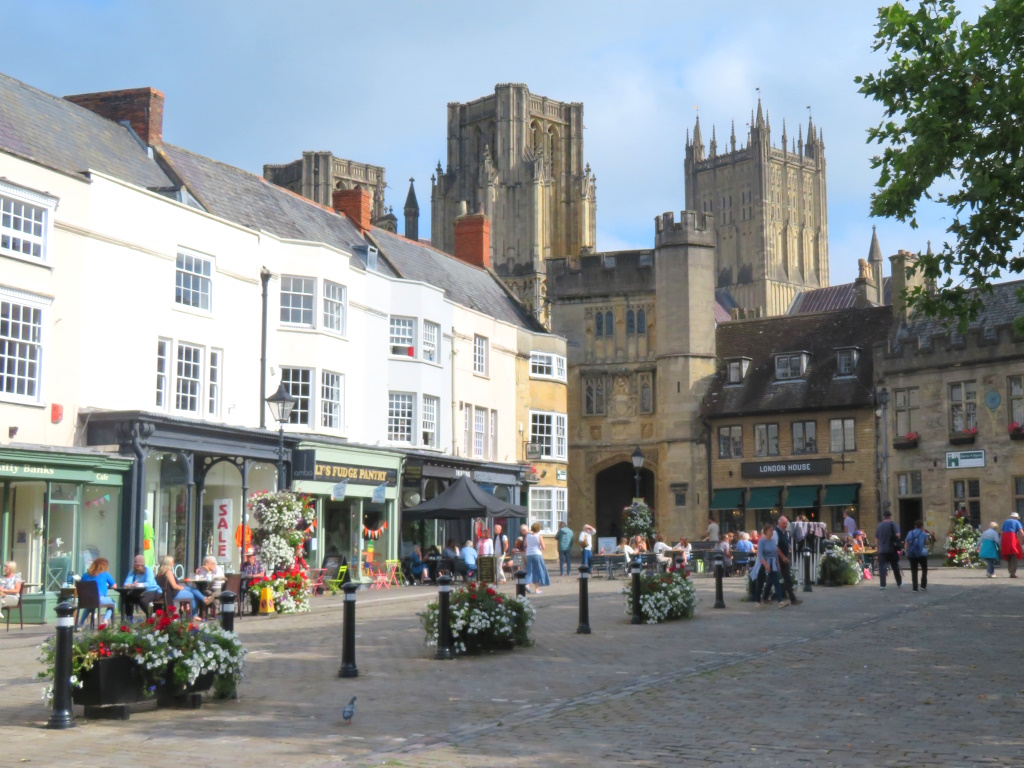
(1004, 542)
(771, 575)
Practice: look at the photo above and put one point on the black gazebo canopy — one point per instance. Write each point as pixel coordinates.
(463, 500)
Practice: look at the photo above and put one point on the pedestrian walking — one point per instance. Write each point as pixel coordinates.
(989, 550)
(917, 553)
(785, 559)
(536, 569)
(887, 540)
(500, 551)
(564, 541)
(587, 543)
(1013, 535)
(766, 568)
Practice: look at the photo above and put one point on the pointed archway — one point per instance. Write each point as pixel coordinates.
(614, 490)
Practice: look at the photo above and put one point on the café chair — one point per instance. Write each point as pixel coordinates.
(89, 601)
(334, 585)
(316, 581)
(395, 577)
(21, 615)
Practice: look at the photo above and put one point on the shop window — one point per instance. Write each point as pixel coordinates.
(334, 307)
(593, 395)
(400, 417)
(906, 404)
(730, 442)
(963, 406)
(192, 283)
(805, 438)
(908, 484)
(842, 435)
(430, 409)
(297, 298)
(21, 349)
(298, 382)
(766, 439)
(967, 498)
(332, 387)
(547, 507)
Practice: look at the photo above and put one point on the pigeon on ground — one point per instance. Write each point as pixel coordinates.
(348, 711)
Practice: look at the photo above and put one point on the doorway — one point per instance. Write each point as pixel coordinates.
(614, 488)
(910, 513)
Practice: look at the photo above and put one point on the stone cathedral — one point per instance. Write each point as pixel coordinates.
(518, 158)
(770, 209)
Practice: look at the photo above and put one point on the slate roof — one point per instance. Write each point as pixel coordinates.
(820, 335)
(252, 201)
(1002, 307)
(66, 137)
(462, 283)
(833, 297)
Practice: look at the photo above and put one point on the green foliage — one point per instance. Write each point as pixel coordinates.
(638, 518)
(953, 95)
(663, 597)
(962, 543)
(482, 619)
(839, 567)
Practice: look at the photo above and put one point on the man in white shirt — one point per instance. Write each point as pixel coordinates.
(659, 549)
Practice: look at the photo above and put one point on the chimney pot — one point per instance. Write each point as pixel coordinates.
(473, 240)
(141, 108)
(356, 204)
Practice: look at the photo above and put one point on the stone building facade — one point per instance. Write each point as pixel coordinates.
(641, 333)
(770, 208)
(517, 158)
(951, 402)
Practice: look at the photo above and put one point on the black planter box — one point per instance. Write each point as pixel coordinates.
(109, 688)
(1017, 435)
(169, 694)
(959, 439)
(902, 444)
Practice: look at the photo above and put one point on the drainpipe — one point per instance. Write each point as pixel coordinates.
(265, 279)
(454, 406)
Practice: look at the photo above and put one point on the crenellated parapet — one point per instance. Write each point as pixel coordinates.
(693, 228)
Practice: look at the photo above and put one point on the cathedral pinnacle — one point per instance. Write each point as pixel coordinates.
(875, 251)
(732, 137)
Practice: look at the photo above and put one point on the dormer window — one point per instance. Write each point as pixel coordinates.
(738, 369)
(846, 361)
(791, 366)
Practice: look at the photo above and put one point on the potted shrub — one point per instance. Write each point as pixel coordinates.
(839, 568)
(482, 619)
(908, 440)
(663, 596)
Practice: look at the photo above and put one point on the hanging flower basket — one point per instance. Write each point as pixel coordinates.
(638, 519)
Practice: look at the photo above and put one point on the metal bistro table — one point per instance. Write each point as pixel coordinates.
(129, 596)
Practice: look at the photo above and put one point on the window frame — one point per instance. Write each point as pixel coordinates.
(731, 433)
(852, 355)
(970, 498)
(434, 329)
(803, 439)
(556, 507)
(163, 377)
(557, 438)
(339, 404)
(214, 382)
(767, 428)
(479, 432)
(431, 426)
(45, 204)
(340, 301)
(904, 411)
(194, 383)
(1017, 494)
(594, 395)
(967, 403)
(1015, 398)
(847, 435)
(396, 419)
(554, 363)
(789, 357)
(481, 355)
(402, 339)
(309, 409)
(291, 308)
(197, 280)
(34, 347)
(494, 434)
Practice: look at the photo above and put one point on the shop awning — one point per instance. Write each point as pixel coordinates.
(463, 500)
(801, 496)
(764, 498)
(727, 498)
(841, 495)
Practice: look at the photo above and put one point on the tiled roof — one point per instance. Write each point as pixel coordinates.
(66, 137)
(1002, 307)
(833, 297)
(254, 202)
(820, 335)
(462, 283)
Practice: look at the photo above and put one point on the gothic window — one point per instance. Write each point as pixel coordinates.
(553, 147)
(593, 395)
(641, 322)
(535, 136)
(630, 323)
(609, 328)
(646, 392)
(599, 325)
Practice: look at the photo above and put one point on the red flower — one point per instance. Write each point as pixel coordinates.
(102, 626)
(472, 597)
(124, 628)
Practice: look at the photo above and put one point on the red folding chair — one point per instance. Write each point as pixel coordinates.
(316, 581)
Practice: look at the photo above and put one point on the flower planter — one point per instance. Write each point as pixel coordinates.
(902, 444)
(960, 439)
(109, 688)
(170, 694)
(1017, 435)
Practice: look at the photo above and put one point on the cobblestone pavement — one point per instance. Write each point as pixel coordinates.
(853, 677)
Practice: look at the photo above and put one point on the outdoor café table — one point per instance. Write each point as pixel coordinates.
(129, 596)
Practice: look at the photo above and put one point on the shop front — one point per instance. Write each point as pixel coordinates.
(62, 509)
(425, 476)
(354, 491)
(191, 482)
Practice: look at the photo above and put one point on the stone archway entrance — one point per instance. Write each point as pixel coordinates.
(614, 488)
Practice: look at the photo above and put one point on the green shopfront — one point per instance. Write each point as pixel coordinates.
(61, 510)
(355, 492)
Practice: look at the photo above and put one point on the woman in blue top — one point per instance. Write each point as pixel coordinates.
(98, 572)
(469, 556)
(417, 567)
(768, 564)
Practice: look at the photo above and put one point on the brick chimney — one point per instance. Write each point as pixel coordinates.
(356, 204)
(142, 108)
(473, 239)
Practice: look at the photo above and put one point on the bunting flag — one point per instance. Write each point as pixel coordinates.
(96, 502)
(375, 532)
(379, 493)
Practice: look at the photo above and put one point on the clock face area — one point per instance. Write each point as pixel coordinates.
(993, 399)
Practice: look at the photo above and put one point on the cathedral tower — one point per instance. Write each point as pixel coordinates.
(770, 212)
(517, 158)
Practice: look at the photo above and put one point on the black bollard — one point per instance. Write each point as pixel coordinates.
(348, 639)
(807, 571)
(520, 583)
(584, 626)
(62, 716)
(444, 619)
(719, 573)
(634, 569)
(227, 611)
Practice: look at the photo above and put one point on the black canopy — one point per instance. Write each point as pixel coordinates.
(463, 500)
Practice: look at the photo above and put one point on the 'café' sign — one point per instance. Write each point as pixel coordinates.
(786, 468)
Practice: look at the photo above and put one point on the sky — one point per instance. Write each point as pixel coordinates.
(255, 82)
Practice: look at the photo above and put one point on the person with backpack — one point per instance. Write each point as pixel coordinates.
(564, 539)
(917, 553)
(887, 539)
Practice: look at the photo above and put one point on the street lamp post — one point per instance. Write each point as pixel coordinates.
(638, 462)
(281, 404)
